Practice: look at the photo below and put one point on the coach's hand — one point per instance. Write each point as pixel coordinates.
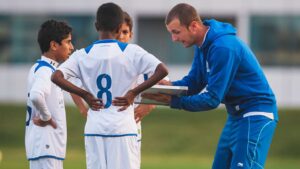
(124, 101)
(39, 122)
(158, 97)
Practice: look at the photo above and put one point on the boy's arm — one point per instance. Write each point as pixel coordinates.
(59, 80)
(80, 104)
(159, 73)
(45, 118)
(40, 88)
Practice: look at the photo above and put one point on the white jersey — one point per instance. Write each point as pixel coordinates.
(45, 141)
(108, 69)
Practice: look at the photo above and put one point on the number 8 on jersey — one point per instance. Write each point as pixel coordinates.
(104, 89)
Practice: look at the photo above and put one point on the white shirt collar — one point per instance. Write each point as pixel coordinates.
(204, 37)
(51, 61)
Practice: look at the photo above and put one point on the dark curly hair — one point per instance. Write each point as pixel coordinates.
(52, 30)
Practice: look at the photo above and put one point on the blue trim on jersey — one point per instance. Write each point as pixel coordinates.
(145, 77)
(29, 111)
(45, 156)
(115, 135)
(121, 44)
(87, 49)
(42, 63)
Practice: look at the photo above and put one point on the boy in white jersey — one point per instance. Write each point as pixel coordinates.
(45, 135)
(140, 110)
(108, 69)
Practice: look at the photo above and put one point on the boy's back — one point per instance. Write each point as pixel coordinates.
(108, 69)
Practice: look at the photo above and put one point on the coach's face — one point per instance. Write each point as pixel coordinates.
(181, 33)
(65, 49)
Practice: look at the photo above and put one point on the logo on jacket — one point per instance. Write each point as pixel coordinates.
(240, 164)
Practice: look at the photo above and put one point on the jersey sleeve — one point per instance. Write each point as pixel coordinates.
(42, 81)
(40, 89)
(144, 62)
(70, 68)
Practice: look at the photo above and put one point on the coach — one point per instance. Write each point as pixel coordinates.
(224, 70)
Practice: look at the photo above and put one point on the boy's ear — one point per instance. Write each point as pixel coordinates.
(97, 26)
(53, 45)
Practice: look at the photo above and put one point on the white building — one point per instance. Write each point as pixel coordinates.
(270, 27)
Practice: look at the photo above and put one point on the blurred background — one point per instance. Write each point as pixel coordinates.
(171, 138)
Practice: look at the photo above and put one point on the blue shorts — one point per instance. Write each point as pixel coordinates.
(244, 143)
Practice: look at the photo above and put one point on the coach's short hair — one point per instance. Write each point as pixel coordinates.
(52, 30)
(185, 13)
(109, 17)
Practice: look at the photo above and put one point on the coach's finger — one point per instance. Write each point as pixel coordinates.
(150, 96)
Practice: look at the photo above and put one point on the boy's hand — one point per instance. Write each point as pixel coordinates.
(124, 101)
(39, 122)
(141, 111)
(94, 103)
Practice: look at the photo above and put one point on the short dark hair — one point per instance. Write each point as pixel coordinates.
(109, 17)
(52, 30)
(128, 20)
(185, 14)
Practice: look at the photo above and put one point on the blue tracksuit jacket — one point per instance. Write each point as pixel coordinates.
(225, 70)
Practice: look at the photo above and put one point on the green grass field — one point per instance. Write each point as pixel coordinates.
(172, 139)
